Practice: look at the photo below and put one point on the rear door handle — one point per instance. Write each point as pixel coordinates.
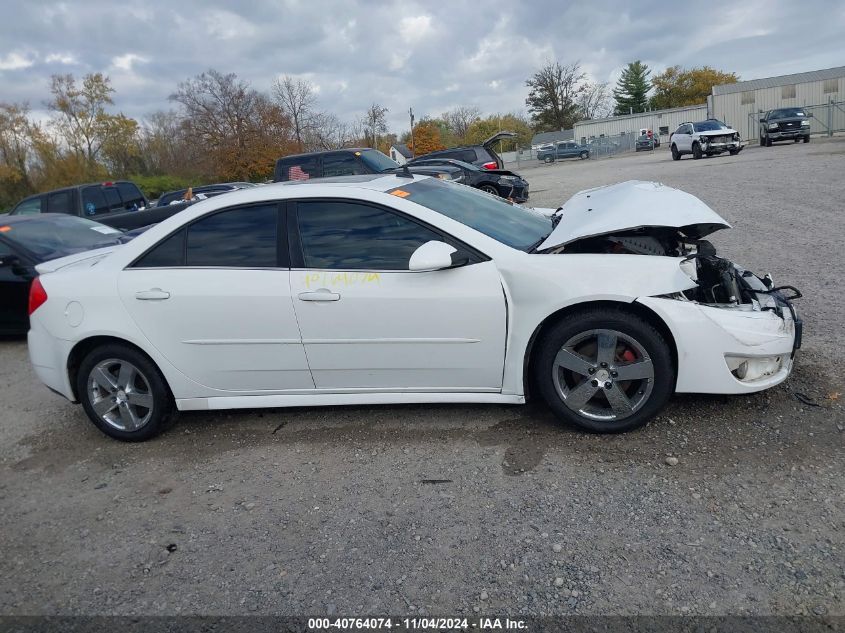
(154, 294)
(323, 294)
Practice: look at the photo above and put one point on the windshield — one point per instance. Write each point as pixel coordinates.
(512, 225)
(49, 238)
(377, 161)
(787, 112)
(709, 126)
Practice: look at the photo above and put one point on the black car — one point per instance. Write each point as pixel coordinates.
(499, 182)
(784, 124)
(644, 142)
(483, 155)
(206, 191)
(119, 204)
(350, 162)
(29, 240)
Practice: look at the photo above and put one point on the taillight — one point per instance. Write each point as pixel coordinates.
(37, 295)
(490, 165)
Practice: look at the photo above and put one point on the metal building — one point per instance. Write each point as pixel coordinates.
(662, 122)
(821, 92)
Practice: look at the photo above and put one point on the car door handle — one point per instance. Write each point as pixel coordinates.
(323, 294)
(154, 294)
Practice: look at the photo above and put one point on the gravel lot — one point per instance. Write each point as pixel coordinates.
(465, 510)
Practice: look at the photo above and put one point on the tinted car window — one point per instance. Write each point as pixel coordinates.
(340, 165)
(296, 168)
(52, 237)
(29, 207)
(709, 126)
(787, 112)
(171, 196)
(344, 235)
(130, 194)
(377, 161)
(94, 201)
(509, 224)
(245, 237)
(112, 198)
(167, 254)
(60, 202)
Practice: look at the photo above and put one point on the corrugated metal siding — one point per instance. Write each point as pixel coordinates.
(782, 80)
(613, 126)
(731, 109)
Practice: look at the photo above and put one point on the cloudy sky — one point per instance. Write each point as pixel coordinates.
(429, 55)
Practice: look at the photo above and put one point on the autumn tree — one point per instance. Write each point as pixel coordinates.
(482, 129)
(676, 87)
(553, 96)
(226, 117)
(426, 138)
(79, 112)
(631, 92)
(16, 152)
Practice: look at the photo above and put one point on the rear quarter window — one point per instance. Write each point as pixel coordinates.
(61, 202)
(29, 207)
(130, 195)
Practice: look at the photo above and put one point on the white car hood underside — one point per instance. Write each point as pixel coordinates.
(632, 205)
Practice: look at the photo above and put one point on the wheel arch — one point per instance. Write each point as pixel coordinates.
(634, 307)
(83, 347)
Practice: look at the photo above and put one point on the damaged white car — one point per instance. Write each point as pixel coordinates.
(406, 289)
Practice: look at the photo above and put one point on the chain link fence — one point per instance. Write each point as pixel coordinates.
(826, 118)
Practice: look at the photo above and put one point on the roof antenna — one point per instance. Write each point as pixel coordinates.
(404, 172)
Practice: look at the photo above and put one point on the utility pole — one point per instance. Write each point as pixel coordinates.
(411, 113)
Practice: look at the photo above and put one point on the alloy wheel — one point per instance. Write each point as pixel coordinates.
(604, 375)
(120, 394)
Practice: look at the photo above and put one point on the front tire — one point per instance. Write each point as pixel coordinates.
(807, 139)
(768, 141)
(124, 394)
(676, 155)
(548, 159)
(696, 151)
(490, 189)
(605, 370)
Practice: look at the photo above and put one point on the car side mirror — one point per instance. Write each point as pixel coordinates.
(762, 120)
(432, 255)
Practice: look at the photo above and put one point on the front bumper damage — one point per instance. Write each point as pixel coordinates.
(731, 349)
(717, 147)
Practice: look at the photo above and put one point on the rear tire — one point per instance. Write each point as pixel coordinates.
(583, 155)
(124, 394)
(676, 155)
(696, 151)
(580, 396)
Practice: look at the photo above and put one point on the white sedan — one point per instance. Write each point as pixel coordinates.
(387, 289)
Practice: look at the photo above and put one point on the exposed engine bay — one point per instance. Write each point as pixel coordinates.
(720, 281)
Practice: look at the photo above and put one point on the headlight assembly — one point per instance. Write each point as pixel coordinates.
(773, 126)
(805, 123)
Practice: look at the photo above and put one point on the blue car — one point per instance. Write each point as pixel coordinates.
(563, 149)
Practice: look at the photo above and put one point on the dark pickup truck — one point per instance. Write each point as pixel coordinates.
(119, 204)
(784, 124)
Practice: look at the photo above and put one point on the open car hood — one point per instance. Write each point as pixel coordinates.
(631, 205)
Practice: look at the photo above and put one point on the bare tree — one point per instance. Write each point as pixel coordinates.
(594, 101)
(328, 132)
(459, 119)
(296, 98)
(375, 122)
